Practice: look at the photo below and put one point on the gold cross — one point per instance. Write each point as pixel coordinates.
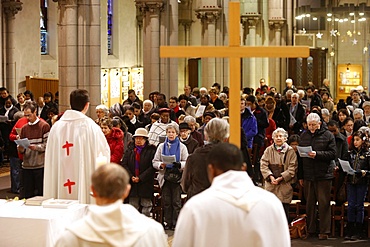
(234, 52)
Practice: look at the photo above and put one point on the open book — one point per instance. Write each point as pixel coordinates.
(59, 203)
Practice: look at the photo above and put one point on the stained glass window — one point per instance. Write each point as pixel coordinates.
(44, 26)
(110, 25)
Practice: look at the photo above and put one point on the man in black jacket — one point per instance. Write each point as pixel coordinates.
(259, 139)
(318, 173)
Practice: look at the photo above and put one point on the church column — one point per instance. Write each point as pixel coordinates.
(139, 35)
(10, 8)
(249, 72)
(209, 17)
(186, 24)
(68, 51)
(277, 25)
(173, 32)
(152, 10)
(89, 50)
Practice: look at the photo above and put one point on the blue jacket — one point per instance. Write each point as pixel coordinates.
(249, 125)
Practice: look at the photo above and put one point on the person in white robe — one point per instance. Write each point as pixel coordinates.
(76, 146)
(232, 212)
(110, 222)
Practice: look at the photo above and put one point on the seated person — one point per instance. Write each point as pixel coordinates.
(110, 222)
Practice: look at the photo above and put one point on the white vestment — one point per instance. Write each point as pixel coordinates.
(75, 142)
(232, 212)
(114, 225)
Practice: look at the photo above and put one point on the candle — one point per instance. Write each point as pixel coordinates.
(101, 160)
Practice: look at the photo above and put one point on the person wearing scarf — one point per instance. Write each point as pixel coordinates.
(171, 191)
(279, 168)
(137, 160)
(186, 138)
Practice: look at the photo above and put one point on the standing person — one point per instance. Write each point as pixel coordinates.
(229, 213)
(115, 140)
(21, 101)
(279, 168)
(132, 97)
(137, 161)
(297, 114)
(318, 173)
(101, 112)
(192, 122)
(169, 175)
(289, 86)
(195, 178)
(192, 99)
(281, 114)
(214, 100)
(131, 121)
(186, 138)
(42, 108)
(37, 133)
(249, 123)
(158, 128)
(357, 184)
(4, 93)
(259, 139)
(110, 222)
(75, 143)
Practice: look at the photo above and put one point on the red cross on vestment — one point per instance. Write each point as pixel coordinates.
(67, 146)
(69, 184)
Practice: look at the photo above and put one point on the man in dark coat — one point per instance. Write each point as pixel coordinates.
(281, 114)
(137, 160)
(317, 177)
(297, 112)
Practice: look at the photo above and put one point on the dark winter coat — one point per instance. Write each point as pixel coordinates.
(195, 176)
(323, 142)
(281, 115)
(191, 144)
(145, 187)
(262, 124)
(359, 160)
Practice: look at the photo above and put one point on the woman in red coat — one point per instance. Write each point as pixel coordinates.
(115, 140)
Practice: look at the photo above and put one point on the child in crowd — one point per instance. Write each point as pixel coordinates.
(114, 138)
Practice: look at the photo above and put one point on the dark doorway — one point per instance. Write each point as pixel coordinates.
(194, 68)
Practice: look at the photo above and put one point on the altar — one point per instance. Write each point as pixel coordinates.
(22, 225)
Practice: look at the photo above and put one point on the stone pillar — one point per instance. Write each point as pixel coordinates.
(250, 21)
(277, 26)
(68, 51)
(10, 8)
(186, 23)
(209, 16)
(139, 35)
(172, 63)
(79, 47)
(152, 10)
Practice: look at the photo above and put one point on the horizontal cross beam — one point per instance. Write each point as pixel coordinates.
(234, 52)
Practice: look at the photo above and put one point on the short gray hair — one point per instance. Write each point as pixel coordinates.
(190, 119)
(217, 130)
(110, 181)
(358, 111)
(313, 117)
(325, 112)
(290, 92)
(148, 101)
(295, 94)
(174, 126)
(104, 108)
(280, 130)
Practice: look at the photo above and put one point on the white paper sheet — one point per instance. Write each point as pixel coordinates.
(200, 111)
(168, 159)
(346, 167)
(23, 142)
(303, 151)
(3, 119)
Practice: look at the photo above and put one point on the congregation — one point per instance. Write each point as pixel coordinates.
(293, 142)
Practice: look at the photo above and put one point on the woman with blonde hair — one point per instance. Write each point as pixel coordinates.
(279, 168)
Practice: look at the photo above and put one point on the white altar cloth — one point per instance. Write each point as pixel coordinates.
(35, 226)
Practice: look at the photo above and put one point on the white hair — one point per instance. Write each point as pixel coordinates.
(325, 112)
(313, 117)
(148, 101)
(174, 126)
(102, 107)
(358, 111)
(294, 94)
(203, 90)
(190, 119)
(289, 80)
(290, 92)
(301, 92)
(280, 130)
(217, 130)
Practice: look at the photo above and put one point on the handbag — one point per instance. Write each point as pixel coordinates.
(277, 169)
(298, 228)
(173, 175)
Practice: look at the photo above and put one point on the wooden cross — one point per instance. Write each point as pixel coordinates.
(234, 52)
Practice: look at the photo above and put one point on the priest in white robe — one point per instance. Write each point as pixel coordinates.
(232, 212)
(75, 148)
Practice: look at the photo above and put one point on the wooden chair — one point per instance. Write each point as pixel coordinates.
(337, 214)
